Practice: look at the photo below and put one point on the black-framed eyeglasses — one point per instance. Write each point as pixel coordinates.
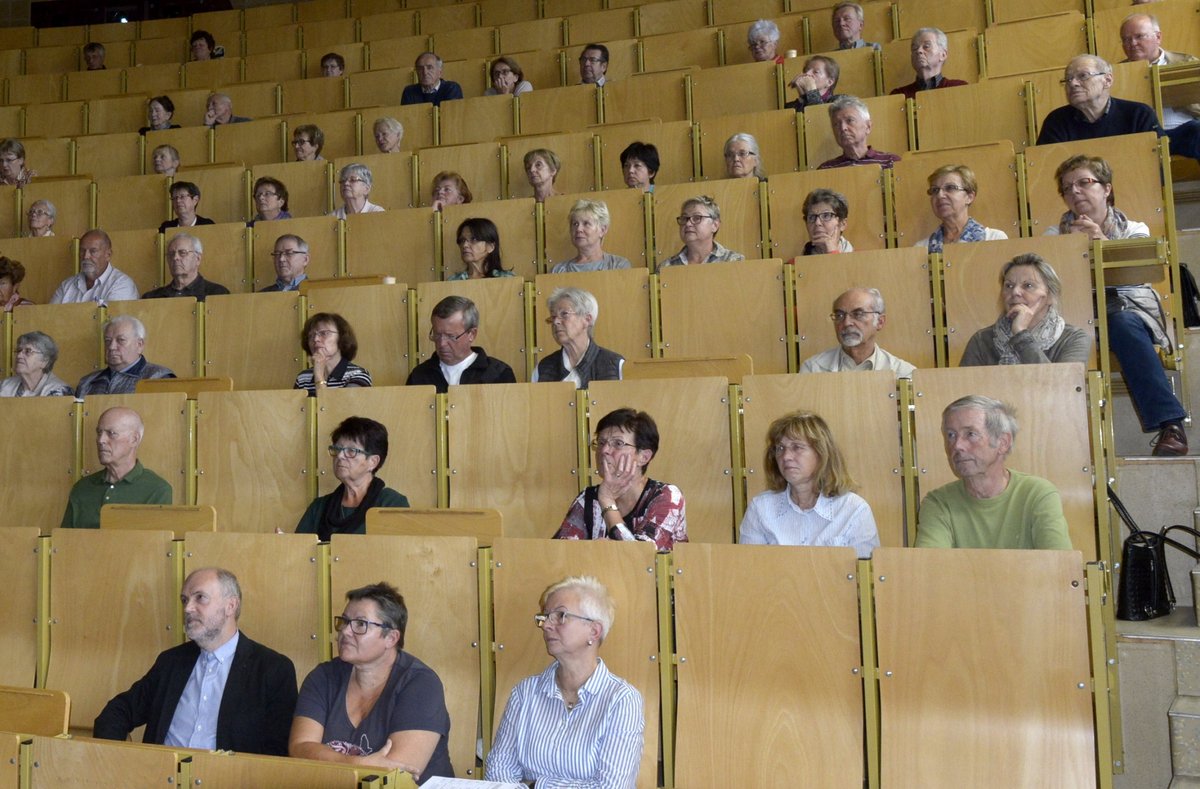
(614, 444)
(691, 219)
(947, 188)
(348, 452)
(436, 337)
(358, 627)
(556, 618)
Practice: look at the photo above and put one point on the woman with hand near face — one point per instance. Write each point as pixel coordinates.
(507, 79)
(330, 342)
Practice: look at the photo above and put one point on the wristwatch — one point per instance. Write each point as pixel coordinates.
(611, 508)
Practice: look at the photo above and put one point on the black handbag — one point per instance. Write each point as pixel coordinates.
(1145, 587)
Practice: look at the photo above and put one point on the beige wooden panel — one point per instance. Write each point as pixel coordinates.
(1050, 400)
(558, 109)
(180, 517)
(516, 221)
(529, 34)
(321, 233)
(9, 208)
(409, 414)
(481, 164)
(254, 339)
(624, 56)
(140, 257)
(50, 158)
(737, 46)
(19, 563)
(889, 130)
(924, 13)
(222, 190)
(626, 232)
(501, 320)
(599, 26)
(98, 649)
(18, 37)
(71, 196)
(226, 768)
(724, 590)
(418, 121)
(525, 567)
(623, 323)
(671, 16)
(254, 99)
(855, 78)
(995, 203)
(1137, 184)
(750, 87)
(212, 73)
(154, 78)
(738, 10)
(673, 140)
(392, 176)
(30, 711)
(102, 155)
(66, 762)
(280, 577)
(93, 84)
(694, 297)
(164, 448)
(694, 454)
(962, 61)
(974, 114)
(379, 315)
(901, 275)
(112, 31)
(969, 270)
(485, 525)
(699, 47)
(52, 59)
(256, 142)
(285, 65)
(61, 36)
(211, 20)
(320, 10)
(389, 24)
(480, 119)
(165, 51)
(397, 53)
(307, 184)
(443, 18)
(576, 151)
(193, 143)
(1031, 44)
(324, 94)
(661, 96)
(62, 118)
(513, 448)
(277, 38)
(779, 141)
(328, 33)
(266, 16)
(340, 128)
(877, 26)
(853, 405)
(428, 571)
(10, 120)
(1176, 18)
(503, 12)
(542, 68)
(252, 468)
(355, 55)
(36, 484)
(132, 202)
(1024, 668)
(75, 329)
(466, 42)
(741, 225)
(471, 75)
(10, 759)
(398, 244)
(733, 367)
(861, 186)
(35, 88)
(48, 261)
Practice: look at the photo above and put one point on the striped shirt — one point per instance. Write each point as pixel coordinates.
(344, 375)
(597, 744)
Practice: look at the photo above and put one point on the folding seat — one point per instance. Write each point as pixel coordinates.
(553, 110)
(741, 215)
(276, 38)
(379, 315)
(399, 52)
(64, 760)
(47, 261)
(963, 46)
(35, 88)
(226, 254)
(320, 10)
(914, 14)
(109, 154)
(71, 196)
(471, 74)
(392, 175)
(624, 53)
(516, 219)
(56, 119)
(466, 43)
(253, 338)
(11, 60)
(672, 139)
(479, 119)
(662, 96)
(267, 16)
(1032, 44)
(750, 87)
(254, 99)
(777, 131)
(307, 184)
(115, 115)
(627, 232)
(212, 73)
(355, 55)
(529, 35)
(542, 68)
(137, 253)
(18, 37)
(112, 32)
(889, 130)
(381, 86)
(506, 12)
(50, 157)
(93, 84)
(170, 51)
(398, 243)
(11, 120)
(726, 11)
(481, 164)
(501, 303)
(321, 233)
(34, 497)
(44, 712)
(444, 18)
(389, 25)
(877, 27)
(19, 558)
(194, 144)
(1177, 20)
(61, 36)
(52, 59)
(222, 190)
(255, 142)
(700, 47)
(575, 150)
(563, 7)
(328, 33)
(10, 224)
(132, 202)
(339, 126)
(623, 324)
(164, 448)
(225, 768)
(219, 23)
(856, 72)
(280, 66)
(995, 109)
(153, 79)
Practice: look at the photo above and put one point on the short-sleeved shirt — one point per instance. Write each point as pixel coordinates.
(412, 699)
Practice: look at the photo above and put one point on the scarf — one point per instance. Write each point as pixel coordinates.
(332, 520)
(1045, 333)
(972, 232)
(1115, 225)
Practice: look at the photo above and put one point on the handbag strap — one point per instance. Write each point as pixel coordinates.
(1122, 512)
(1189, 551)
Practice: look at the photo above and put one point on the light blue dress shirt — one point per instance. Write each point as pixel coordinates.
(195, 722)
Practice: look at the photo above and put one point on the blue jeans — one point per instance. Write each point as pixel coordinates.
(1130, 339)
(1185, 139)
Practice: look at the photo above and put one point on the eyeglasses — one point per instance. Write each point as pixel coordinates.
(179, 253)
(288, 253)
(691, 219)
(590, 60)
(740, 154)
(442, 337)
(1136, 37)
(858, 316)
(351, 453)
(782, 449)
(38, 212)
(501, 72)
(1082, 183)
(615, 444)
(761, 43)
(358, 627)
(28, 351)
(354, 179)
(265, 195)
(949, 189)
(1080, 78)
(469, 240)
(824, 216)
(9, 159)
(561, 315)
(302, 141)
(556, 618)
(321, 334)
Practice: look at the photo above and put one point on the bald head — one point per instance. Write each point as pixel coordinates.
(118, 435)
(1141, 38)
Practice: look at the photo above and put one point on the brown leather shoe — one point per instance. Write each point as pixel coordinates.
(1170, 442)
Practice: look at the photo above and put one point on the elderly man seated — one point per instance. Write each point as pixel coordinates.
(455, 326)
(1091, 110)
(97, 280)
(124, 341)
(290, 258)
(814, 85)
(929, 49)
(124, 480)
(699, 220)
(184, 254)
(219, 111)
(851, 122)
(1141, 38)
(858, 316)
(847, 20)
(430, 87)
(990, 506)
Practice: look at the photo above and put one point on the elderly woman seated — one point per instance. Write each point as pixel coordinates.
(572, 320)
(627, 504)
(742, 158)
(507, 79)
(449, 188)
(543, 740)
(359, 447)
(11, 275)
(763, 40)
(307, 143)
(355, 181)
(479, 245)
(589, 225)
(271, 200)
(165, 160)
(1029, 330)
(374, 705)
(159, 112)
(825, 213)
(810, 498)
(815, 84)
(699, 220)
(639, 165)
(952, 190)
(35, 358)
(12, 164)
(331, 345)
(388, 133)
(41, 218)
(541, 168)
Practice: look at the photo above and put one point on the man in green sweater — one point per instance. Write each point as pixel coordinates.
(990, 506)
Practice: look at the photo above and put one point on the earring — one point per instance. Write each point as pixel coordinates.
(590, 642)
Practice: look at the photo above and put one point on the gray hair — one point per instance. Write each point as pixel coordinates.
(42, 343)
(197, 247)
(139, 328)
(583, 302)
(759, 170)
(998, 417)
(705, 201)
(849, 103)
(230, 588)
(594, 600)
(1043, 268)
(1151, 17)
(389, 124)
(876, 298)
(356, 169)
(597, 208)
(49, 207)
(938, 35)
(847, 4)
(423, 54)
(1098, 63)
(221, 98)
(301, 244)
(452, 305)
(763, 28)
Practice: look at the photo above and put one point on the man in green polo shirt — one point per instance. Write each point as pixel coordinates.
(124, 479)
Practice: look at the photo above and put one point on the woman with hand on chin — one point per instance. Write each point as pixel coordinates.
(330, 342)
(825, 213)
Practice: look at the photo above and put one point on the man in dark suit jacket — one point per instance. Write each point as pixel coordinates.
(430, 87)
(220, 690)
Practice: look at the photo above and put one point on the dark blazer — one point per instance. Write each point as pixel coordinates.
(446, 91)
(256, 707)
(484, 370)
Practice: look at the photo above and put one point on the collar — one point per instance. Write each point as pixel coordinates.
(195, 286)
(846, 361)
(594, 684)
(432, 90)
(132, 369)
(225, 652)
(293, 285)
(133, 476)
(823, 505)
(463, 365)
(929, 84)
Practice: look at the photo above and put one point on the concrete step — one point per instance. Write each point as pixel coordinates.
(1185, 736)
(1183, 782)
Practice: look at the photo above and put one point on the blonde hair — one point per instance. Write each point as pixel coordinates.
(832, 478)
(594, 599)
